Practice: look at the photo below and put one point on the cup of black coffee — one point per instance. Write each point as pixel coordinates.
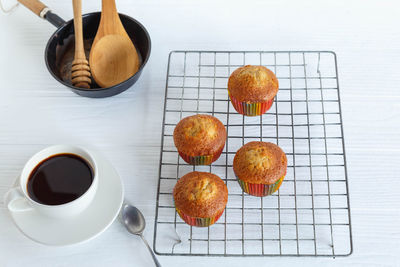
(59, 181)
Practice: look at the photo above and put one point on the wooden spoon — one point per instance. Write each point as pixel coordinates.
(80, 70)
(113, 57)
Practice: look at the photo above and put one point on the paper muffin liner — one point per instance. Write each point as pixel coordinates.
(197, 221)
(260, 190)
(201, 160)
(250, 109)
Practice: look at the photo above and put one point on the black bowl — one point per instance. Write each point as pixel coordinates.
(59, 52)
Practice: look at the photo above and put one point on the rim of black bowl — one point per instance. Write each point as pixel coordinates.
(101, 88)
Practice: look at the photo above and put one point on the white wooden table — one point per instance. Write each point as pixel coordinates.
(36, 111)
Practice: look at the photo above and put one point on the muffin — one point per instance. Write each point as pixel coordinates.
(252, 89)
(260, 168)
(200, 198)
(200, 139)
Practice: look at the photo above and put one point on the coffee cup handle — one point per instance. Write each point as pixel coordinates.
(16, 201)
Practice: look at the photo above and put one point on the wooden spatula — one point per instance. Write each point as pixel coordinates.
(113, 57)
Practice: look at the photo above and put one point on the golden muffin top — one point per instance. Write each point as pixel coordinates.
(200, 194)
(260, 163)
(199, 135)
(253, 84)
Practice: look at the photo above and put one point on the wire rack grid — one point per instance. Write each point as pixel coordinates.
(310, 213)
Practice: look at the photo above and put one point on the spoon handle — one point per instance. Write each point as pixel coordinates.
(151, 252)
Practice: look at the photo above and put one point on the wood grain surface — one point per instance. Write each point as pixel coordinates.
(36, 111)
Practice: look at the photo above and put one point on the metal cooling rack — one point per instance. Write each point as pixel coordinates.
(310, 214)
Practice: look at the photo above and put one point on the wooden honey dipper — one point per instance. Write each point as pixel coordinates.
(80, 70)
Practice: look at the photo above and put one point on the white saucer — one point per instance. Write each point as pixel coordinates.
(90, 223)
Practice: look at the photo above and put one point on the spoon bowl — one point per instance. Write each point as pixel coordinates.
(133, 219)
(114, 60)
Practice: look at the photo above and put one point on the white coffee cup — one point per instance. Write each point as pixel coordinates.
(17, 199)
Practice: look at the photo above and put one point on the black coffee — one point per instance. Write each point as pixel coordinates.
(59, 179)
